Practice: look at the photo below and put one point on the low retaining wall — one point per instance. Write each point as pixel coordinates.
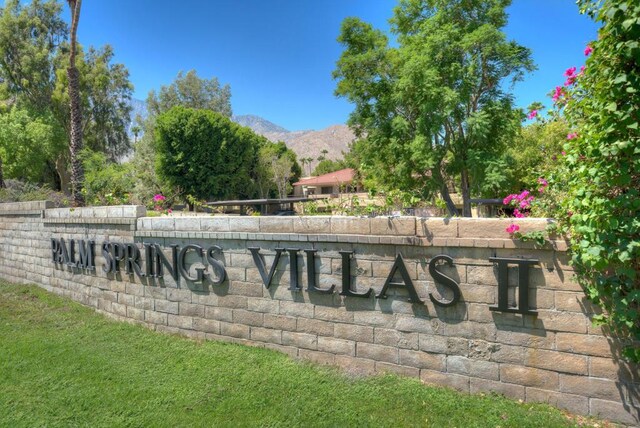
(452, 301)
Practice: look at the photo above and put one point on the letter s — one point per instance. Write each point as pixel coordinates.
(444, 280)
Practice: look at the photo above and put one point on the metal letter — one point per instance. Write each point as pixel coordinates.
(132, 260)
(399, 265)
(217, 266)
(445, 280)
(161, 260)
(523, 285)
(259, 262)
(56, 253)
(312, 285)
(108, 265)
(346, 277)
(293, 269)
(181, 267)
(86, 255)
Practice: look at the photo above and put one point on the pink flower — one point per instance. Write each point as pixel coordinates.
(512, 229)
(508, 199)
(571, 136)
(158, 198)
(582, 69)
(588, 50)
(570, 72)
(532, 114)
(517, 213)
(570, 80)
(543, 183)
(564, 153)
(557, 93)
(169, 211)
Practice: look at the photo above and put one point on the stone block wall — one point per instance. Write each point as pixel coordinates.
(555, 356)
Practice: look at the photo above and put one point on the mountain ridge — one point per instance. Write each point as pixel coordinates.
(310, 143)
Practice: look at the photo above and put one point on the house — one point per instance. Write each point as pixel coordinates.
(332, 183)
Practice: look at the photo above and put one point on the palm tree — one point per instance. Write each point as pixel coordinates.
(309, 160)
(75, 146)
(323, 155)
(136, 131)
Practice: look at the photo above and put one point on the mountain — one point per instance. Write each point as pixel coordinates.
(306, 144)
(257, 124)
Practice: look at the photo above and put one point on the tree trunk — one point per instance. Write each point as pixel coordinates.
(466, 193)
(446, 196)
(2, 185)
(439, 174)
(77, 173)
(63, 174)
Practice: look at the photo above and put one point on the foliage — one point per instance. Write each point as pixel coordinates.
(27, 143)
(106, 182)
(433, 108)
(326, 166)
(34, 57)
(204, 154)
(277, 169)
(30, 36)
(601, 170)
(20, 191)
(189, 90)
(535, 153)
(105, 98)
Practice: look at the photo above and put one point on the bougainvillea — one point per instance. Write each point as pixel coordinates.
(600, 172)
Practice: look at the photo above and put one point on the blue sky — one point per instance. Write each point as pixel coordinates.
(278, 55)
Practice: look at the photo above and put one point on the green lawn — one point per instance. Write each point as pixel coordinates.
(63, 365)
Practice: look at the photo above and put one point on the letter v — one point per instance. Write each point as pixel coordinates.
(259, 261)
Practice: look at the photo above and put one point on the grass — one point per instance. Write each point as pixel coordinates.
(61, 364)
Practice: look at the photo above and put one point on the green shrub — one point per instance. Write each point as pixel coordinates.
(106, 182)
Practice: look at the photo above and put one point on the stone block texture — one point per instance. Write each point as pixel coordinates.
(556, 356)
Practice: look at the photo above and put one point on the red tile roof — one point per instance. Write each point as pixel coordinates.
(344, 176)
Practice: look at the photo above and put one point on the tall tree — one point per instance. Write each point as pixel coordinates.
(77, 173)
(29, 37)
(432, 110)
(34, 57)
(204, 154)
(189, 90)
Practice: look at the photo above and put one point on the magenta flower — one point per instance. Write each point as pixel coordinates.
(588, 50)
(512, 229)
(557, 93)
(543, 181)
(582, 69)
(158, 198)
(518, 214)
(532, 114)
(564, 153)
(570, 80)
(571, 136)
(508, 199)
(169, 211)
(569, 72)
